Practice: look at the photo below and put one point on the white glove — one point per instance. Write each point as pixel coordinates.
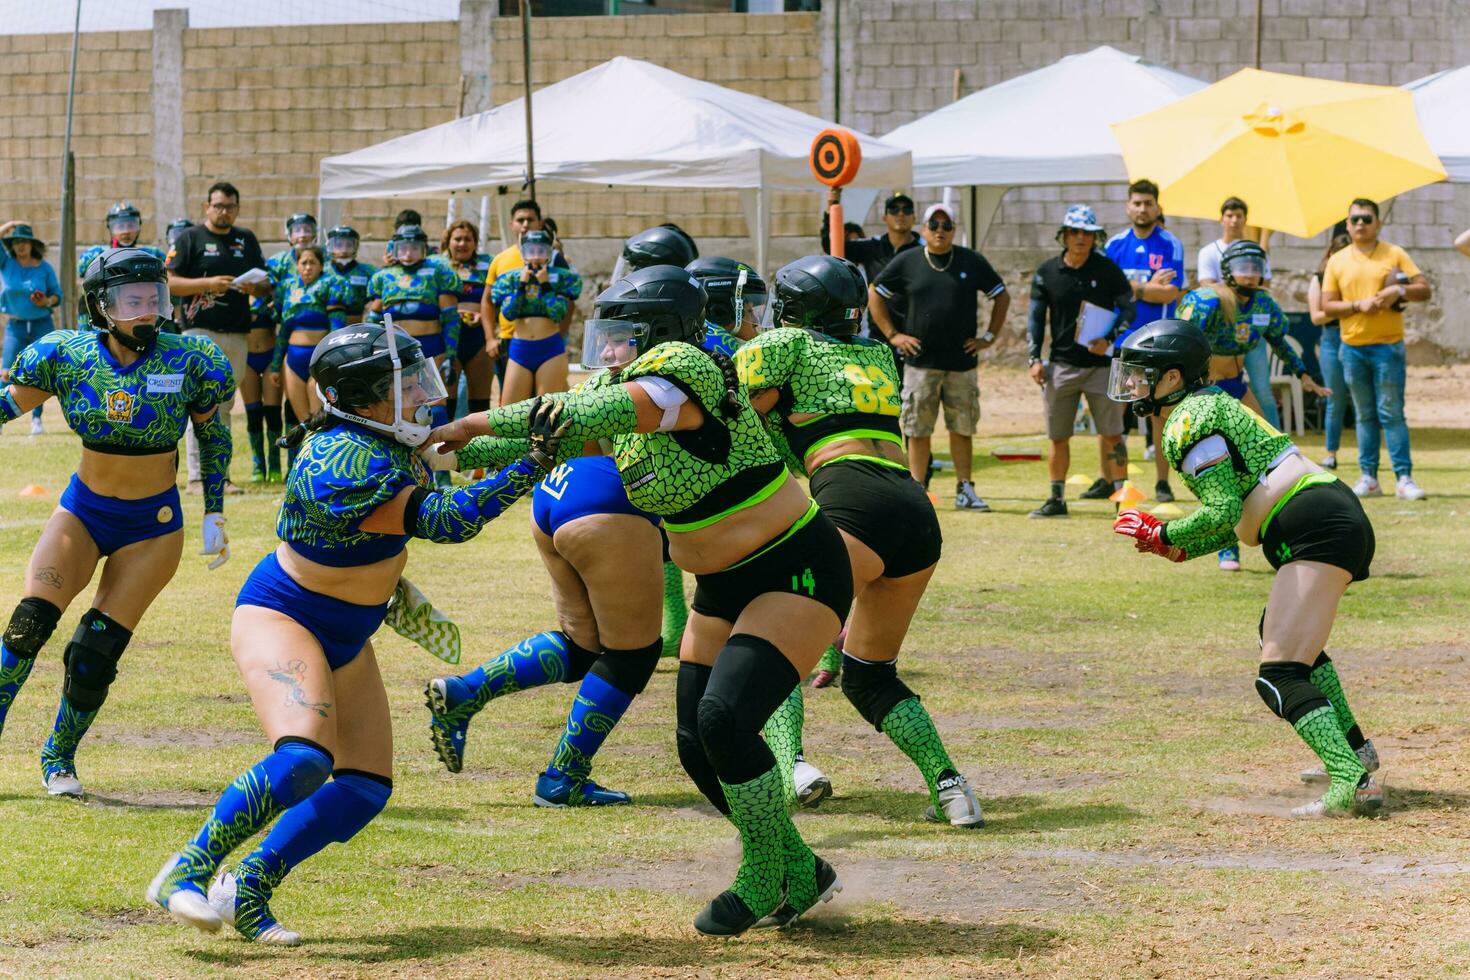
(438, 462)
(216, 542)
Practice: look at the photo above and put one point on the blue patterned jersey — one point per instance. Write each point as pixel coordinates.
(86, 259)
(318, 306)
(341, 476)
(281, 266)
(718, 340)
(472, 275)
(551, 299)
(413, 294)
(353, 283)
(1259, 317)
(141, 408)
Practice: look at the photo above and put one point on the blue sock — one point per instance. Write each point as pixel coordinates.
(13, 673)
(281, 780)
(537, 660)
(595, 711)
(60, 751)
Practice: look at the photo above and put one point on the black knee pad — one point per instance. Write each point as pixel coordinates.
(748, 682)
(272, 416)
(690, 687)
(31, 625)
(873, 688)
(579, 660)
(91, 659)
(629, 670)
(478, 405)
(1286, 687)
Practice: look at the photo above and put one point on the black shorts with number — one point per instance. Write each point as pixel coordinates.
(811, 561)
(1324, 522)
(884, 508)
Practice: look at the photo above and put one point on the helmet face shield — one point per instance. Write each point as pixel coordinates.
(538, 252)
(124, 224)
(130, 301)
(408, 251)
(611, 343)
(342, 248)
(1240, 266)
(1130, 382)
(420, 384)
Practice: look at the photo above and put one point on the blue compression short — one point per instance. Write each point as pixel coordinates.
(531, 354)
(115, 523)
(341, 627)
(579, 488)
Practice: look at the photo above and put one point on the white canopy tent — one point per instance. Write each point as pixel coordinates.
(1443, 103)
(1049, 126)
(625, 122)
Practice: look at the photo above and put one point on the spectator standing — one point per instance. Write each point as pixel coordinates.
(1080, 274)
(1233, 212)
(1330, 348)
(1153, 260)
(1365, 286)
(202, 263)
(30, 292)
(938, 287)
(872, 254)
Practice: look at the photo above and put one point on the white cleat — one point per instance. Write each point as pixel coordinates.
(1367, 802)
(958, 802)
(222, 895)
(186, 905)
(812, 787)
(63, 784)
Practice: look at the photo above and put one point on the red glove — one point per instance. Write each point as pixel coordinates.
(1148, 534)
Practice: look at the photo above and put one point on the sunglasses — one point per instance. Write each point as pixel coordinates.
(937, 225)
(1360, 219)
(899, 209)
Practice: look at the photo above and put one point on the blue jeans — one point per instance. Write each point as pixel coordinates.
(1332, 378)
(1258, 374)
(1375, 376)
(20, 334)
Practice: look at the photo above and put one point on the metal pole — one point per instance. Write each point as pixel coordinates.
(526, 71)
(1257, 62)
(68, 258)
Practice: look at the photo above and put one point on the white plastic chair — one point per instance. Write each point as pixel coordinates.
(1293, 413)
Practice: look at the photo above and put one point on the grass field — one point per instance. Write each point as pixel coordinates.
(1101, 703)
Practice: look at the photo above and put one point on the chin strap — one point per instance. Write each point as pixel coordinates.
(133, 342)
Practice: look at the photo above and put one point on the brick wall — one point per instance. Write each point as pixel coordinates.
(774, 56)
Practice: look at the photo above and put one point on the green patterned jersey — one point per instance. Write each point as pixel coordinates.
(692, 478)
(1221, 450)
(849, 383)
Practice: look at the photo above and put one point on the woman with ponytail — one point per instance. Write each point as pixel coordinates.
(773, 583)
(304, 620)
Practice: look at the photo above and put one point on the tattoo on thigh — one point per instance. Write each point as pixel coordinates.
(50, 576)
(292, 675)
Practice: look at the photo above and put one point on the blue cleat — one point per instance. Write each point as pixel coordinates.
(451, 706)
(558, 790)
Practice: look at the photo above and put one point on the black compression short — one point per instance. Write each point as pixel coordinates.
(1324, 522)
(811, 562)
(885, 509)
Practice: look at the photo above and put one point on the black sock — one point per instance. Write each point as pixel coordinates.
(1058, 489)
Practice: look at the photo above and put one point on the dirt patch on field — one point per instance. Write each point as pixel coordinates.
(121, 918)
(157, 799)
(181, 738)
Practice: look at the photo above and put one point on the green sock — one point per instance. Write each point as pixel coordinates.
(1322, 733)
(783, 734)
(676, 609)
(758, 809)
(1324, 675)
(909, 727)
(831, 660)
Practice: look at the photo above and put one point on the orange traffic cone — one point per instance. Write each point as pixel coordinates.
(31, 490)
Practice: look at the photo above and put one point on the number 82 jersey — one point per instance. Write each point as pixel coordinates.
(848, 383)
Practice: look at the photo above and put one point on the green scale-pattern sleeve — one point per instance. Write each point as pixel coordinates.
(494, 452)
(1222, 488)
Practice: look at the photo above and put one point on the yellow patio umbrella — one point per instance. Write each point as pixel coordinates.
(1296, 150)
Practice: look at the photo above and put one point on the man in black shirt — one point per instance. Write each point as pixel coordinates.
(872, 254)
(938, 287)
(203, 262)
(1081, 274)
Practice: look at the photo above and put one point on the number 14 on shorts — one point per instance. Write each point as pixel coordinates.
(806, 580)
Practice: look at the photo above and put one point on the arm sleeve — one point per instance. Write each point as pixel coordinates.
(283, 334)
(215, 449)
(337, 303)
(1275, 334)
(214, 382)
(1123, 298)
(1036, 317)
(449, 323)
(492, 452)
(1212, 526)
(36, 366)
(595, 414)
(452, 516)
(571, 284)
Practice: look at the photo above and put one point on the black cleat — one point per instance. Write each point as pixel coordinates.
(828, 884)
(1100, 490)
(726, 915)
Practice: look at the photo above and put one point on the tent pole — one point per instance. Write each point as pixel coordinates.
(526, 72)
(68, 235)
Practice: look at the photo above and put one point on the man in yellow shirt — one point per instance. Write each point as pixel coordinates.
(1366, 286)
(524, 216)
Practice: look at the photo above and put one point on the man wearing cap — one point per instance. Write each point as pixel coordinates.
(938, 286)
(872, 254)
(1064, 286)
